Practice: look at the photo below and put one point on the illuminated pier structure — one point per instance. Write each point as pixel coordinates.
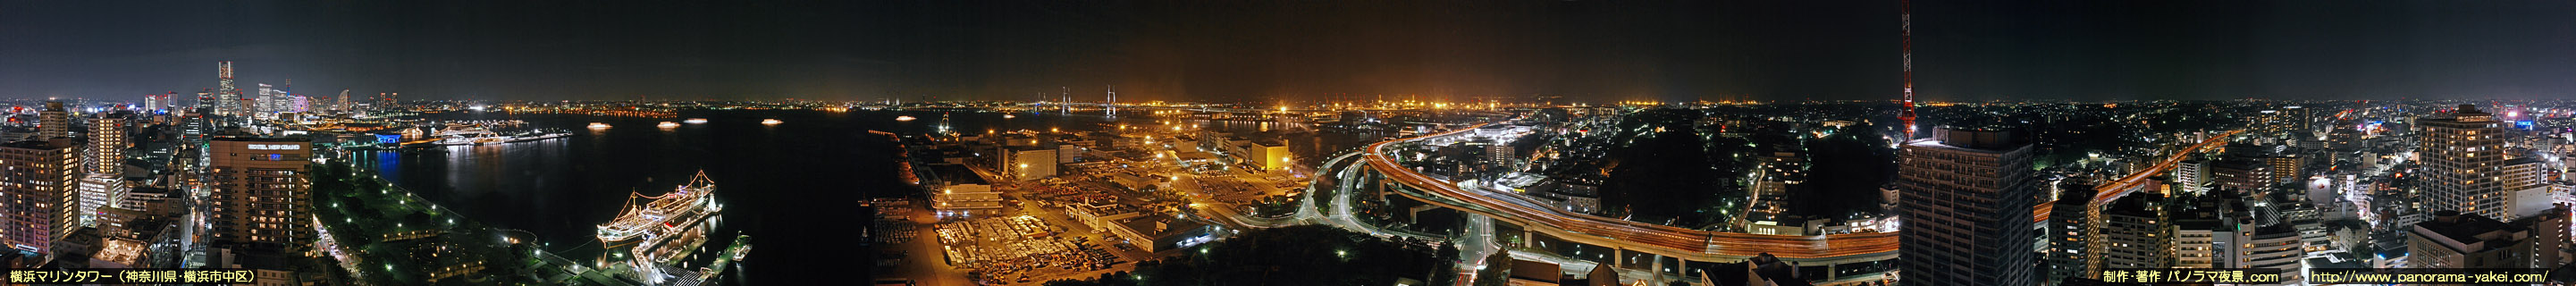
(659, 232)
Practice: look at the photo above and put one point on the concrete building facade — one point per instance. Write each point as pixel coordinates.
(1967, 209)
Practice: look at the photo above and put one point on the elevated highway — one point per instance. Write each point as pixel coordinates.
(2106, 193)
(1629, 237)
(1620, 234)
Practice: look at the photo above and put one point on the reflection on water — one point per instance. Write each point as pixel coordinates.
(792, 186)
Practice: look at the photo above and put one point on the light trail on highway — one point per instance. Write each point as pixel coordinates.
(2106, 193)
(1660, 239)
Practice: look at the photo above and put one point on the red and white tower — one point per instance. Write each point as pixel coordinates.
(1905, 16)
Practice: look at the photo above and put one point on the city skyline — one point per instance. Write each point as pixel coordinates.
(1589, 50)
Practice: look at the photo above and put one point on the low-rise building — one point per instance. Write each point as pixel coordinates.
(1160, 232)
(2463, 240)
(966, 200)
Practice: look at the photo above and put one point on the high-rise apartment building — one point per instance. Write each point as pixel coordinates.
(107, 144)
(53, 122)
(2069, 226)
(2463, 156)
(1967, 209)
(39, 207)
(261, 189)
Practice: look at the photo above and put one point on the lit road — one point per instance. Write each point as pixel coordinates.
(1665, 240)
(1476, 243)
(1690, 244)
(2105, 193)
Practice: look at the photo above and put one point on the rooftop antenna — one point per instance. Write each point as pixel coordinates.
(1905, 16)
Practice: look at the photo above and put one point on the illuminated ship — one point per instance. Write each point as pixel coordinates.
(470, 134)
(666, 229)
(770, 122)
(695, 121)
(467, 134)
(667, 124)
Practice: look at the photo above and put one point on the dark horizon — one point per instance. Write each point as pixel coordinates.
(1234, 51)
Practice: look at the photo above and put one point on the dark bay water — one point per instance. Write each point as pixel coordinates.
(793, 187)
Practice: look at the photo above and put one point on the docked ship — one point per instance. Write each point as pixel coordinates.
(657, 234)
(473, 134)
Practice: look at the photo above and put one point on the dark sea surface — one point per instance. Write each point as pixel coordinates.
(793, 187)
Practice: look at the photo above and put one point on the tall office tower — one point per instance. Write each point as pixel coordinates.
(2463, 159)
(1967, 209)
(259, 184)
(225, 93)
(168, 101)
(150, 101)
(106, 145)
(344, 102)
(39, 208)
(267, 100)
(205, 99)
(53, 122)
(297, 103)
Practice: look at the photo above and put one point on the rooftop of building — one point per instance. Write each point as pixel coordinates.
(2469, 228)
(1170, 226)
(252, 138)
(41, 144)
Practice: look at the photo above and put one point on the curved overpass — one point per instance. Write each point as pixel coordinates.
(1684, 243)
(1671, 241)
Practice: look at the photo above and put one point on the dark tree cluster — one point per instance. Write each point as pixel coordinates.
(1296, 255)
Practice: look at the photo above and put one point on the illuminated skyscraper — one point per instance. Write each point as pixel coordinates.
(260, 187)
(53, 122)
(2463, 159)
(1967, 209)
(225, 93)
(39, 208)
(106, 145)
(268, 101)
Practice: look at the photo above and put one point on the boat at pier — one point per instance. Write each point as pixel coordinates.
(474, 134)
(661, 231)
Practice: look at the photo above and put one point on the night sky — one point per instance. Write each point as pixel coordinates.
(1295, 50)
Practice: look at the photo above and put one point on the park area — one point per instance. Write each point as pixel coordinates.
(385, 235)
